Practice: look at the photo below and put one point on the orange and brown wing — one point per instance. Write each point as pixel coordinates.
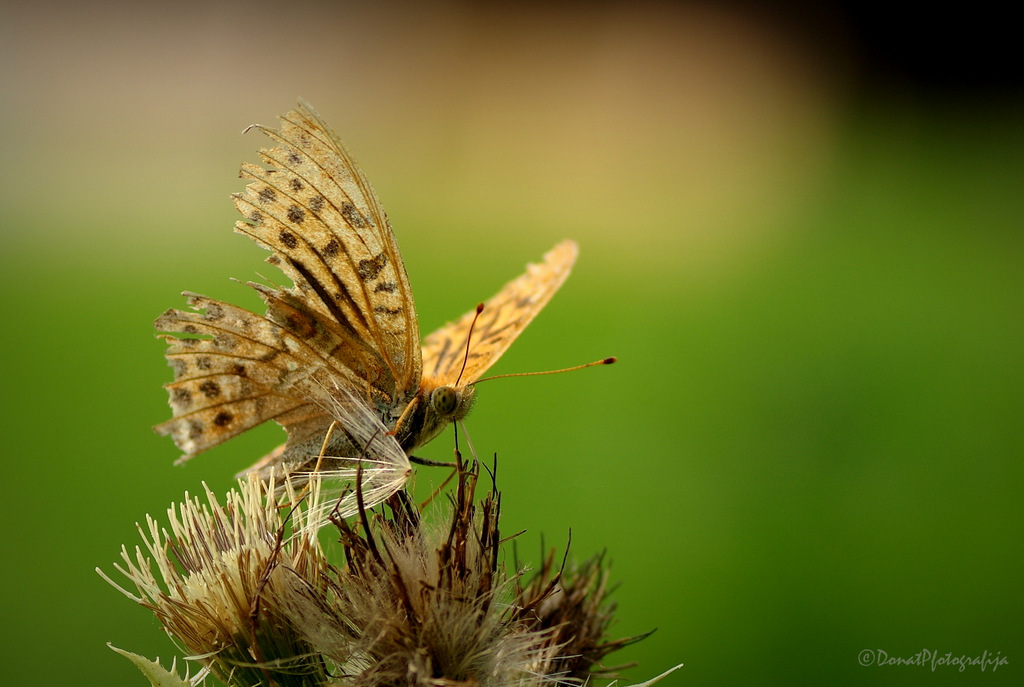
(348, 319)
(503, 318)
(233, 370)
(314, 209)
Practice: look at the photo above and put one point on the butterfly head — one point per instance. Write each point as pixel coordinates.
(451, 403)
(435, 407)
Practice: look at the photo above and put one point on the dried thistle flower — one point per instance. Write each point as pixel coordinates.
(214, 570)
(248, 592)
(573, 603)
(432, 605)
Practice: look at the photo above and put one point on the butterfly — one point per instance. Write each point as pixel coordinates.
(341, 345)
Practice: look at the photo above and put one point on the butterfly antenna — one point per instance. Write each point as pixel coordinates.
(469, 337)
(604, 361)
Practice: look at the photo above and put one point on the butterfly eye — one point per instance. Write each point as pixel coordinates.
(444, 400)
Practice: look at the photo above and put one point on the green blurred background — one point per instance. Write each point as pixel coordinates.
(801, 236)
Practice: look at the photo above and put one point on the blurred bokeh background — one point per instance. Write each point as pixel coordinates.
(800, 231)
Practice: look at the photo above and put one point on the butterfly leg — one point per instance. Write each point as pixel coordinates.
(431, 463)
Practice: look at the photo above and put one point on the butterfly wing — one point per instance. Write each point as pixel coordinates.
(314, 209)
(503, 318)
(349, 315)
(234, 370)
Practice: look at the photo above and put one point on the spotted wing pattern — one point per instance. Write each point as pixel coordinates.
(349, 315)
(314, 209)
(341, 345)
